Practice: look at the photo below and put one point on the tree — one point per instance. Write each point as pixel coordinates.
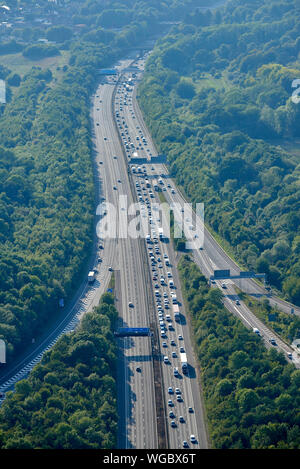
(185, 89)
(59, 33)
(14, 79)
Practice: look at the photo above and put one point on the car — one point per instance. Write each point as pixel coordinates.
(180, 337)
(98, 123)
(179, 398)
(272, 341)
(130, 304)
(237, 302)
(170, 390)
(173, 342)
(99, 259)
(138, 369)
(115, 188)
(110, 269)
(173, 424)
(177, 391)
(290, 355)
(174, 355)
(193, 439)
(181, 349)
(170, 403)
(185, 444)
(166, 359)
(181, 419)
(171, 414)
(191, 410)
(164, 344)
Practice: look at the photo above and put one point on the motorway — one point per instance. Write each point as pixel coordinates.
(137, 394)
(183, 406)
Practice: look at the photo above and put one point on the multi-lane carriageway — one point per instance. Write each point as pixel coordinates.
(133, 286)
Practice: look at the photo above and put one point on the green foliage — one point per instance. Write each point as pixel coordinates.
(14, 79)
(37, 52)
(251, 394)
(216, 96)
(69, 400)
(59, 33)
(285, 325)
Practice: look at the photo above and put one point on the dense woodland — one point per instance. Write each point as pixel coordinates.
(217, 98)
(70, 399)
(251, 394)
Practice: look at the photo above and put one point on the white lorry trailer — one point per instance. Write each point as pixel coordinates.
(184, 363)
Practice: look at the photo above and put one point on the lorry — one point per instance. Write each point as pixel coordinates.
(184, 363)
(176, 312)
(174, 298)
(155, 185)
(91, 276)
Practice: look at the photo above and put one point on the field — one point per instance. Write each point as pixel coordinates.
(21, 65)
